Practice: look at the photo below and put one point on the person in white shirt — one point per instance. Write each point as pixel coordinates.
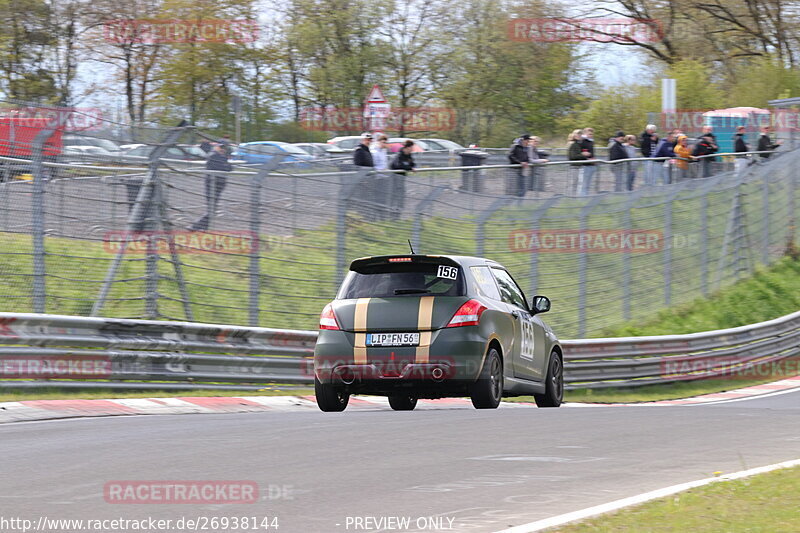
(380, 153)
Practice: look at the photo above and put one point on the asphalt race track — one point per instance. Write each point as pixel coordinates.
(446, 470)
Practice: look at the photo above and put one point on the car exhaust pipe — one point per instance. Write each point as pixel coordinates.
(347, 376)
(437, 374)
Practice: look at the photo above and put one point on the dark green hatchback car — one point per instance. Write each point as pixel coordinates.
(425, 326)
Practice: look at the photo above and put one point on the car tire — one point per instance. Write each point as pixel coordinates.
(329, 398)
(402, 402)
(554, 384)
(487, 391)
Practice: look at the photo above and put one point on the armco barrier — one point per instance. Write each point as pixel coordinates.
(66, 351)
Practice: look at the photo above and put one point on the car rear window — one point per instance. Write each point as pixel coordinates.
(404, 279)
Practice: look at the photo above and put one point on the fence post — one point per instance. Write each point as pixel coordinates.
(537, 215)
(419, 212)
(480, 234)
(667, 254)
(140, 209)
(255, 234)
(38, 214)
(765, 219)
(626, 257)
(39, 268)
(583, 263)
(704, 242)
(347, 183)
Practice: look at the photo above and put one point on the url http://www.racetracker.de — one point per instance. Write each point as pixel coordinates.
(45, 524)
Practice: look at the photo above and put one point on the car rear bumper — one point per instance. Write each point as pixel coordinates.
(454, 355)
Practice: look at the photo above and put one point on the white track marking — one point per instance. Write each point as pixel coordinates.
(589, 512)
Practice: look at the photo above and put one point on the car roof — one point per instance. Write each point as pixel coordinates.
(461, 260)
(275, 143)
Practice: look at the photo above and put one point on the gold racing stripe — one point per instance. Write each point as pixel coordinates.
(424, 319)
(360, 326)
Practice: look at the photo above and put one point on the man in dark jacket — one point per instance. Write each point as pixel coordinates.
(519, 156)
(587, 152)
(705, 146)
(765, 143)
(215, 183)
(647, 141)
(616, 152)
(740, 145)
(665, 148)
(362, 157)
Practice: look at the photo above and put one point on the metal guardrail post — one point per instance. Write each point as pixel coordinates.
(137, 214)
(583, 262)
(255, 233)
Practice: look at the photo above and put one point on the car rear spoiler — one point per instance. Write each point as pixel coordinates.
(365, 263)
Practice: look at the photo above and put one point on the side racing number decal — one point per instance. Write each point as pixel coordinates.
(526, 350)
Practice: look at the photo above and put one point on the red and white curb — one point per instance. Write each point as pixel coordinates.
(773, 388)
(53, 409)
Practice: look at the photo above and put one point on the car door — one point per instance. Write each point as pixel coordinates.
(526, 358)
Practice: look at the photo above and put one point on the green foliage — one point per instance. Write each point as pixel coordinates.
(769, 293)
(615, 108)
(696, 86)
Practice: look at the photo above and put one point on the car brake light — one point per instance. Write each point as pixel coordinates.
(399, 259)
(468, 314)
(327, 320)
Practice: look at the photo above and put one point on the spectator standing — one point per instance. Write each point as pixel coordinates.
(205, 146)
(574, 154)
(227, 145)
(380, 153)
(616, 152)
(215, 184)
(647, 142)
(587, 151)
(630, 150)
(519, 156)
(536, 183)
(404, 160)
(765, 144)
(705, 146)
(684, 152)
(362, 157)
(665, 148)
(739, 146)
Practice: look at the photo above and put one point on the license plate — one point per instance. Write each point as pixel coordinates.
(392, 339)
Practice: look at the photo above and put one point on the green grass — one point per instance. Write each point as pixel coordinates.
(766, 503)
(769, 293)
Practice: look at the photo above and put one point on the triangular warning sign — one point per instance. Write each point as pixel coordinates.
(376, 96)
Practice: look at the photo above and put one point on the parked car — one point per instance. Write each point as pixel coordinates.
(443, 145)
(259, 152)
(395, 143)
(346, 143)
(181, 152)
(87, 154)
(430, 326)
(321, 150)
(80, 140)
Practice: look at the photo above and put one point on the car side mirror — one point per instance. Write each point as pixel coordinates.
(541, 304)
